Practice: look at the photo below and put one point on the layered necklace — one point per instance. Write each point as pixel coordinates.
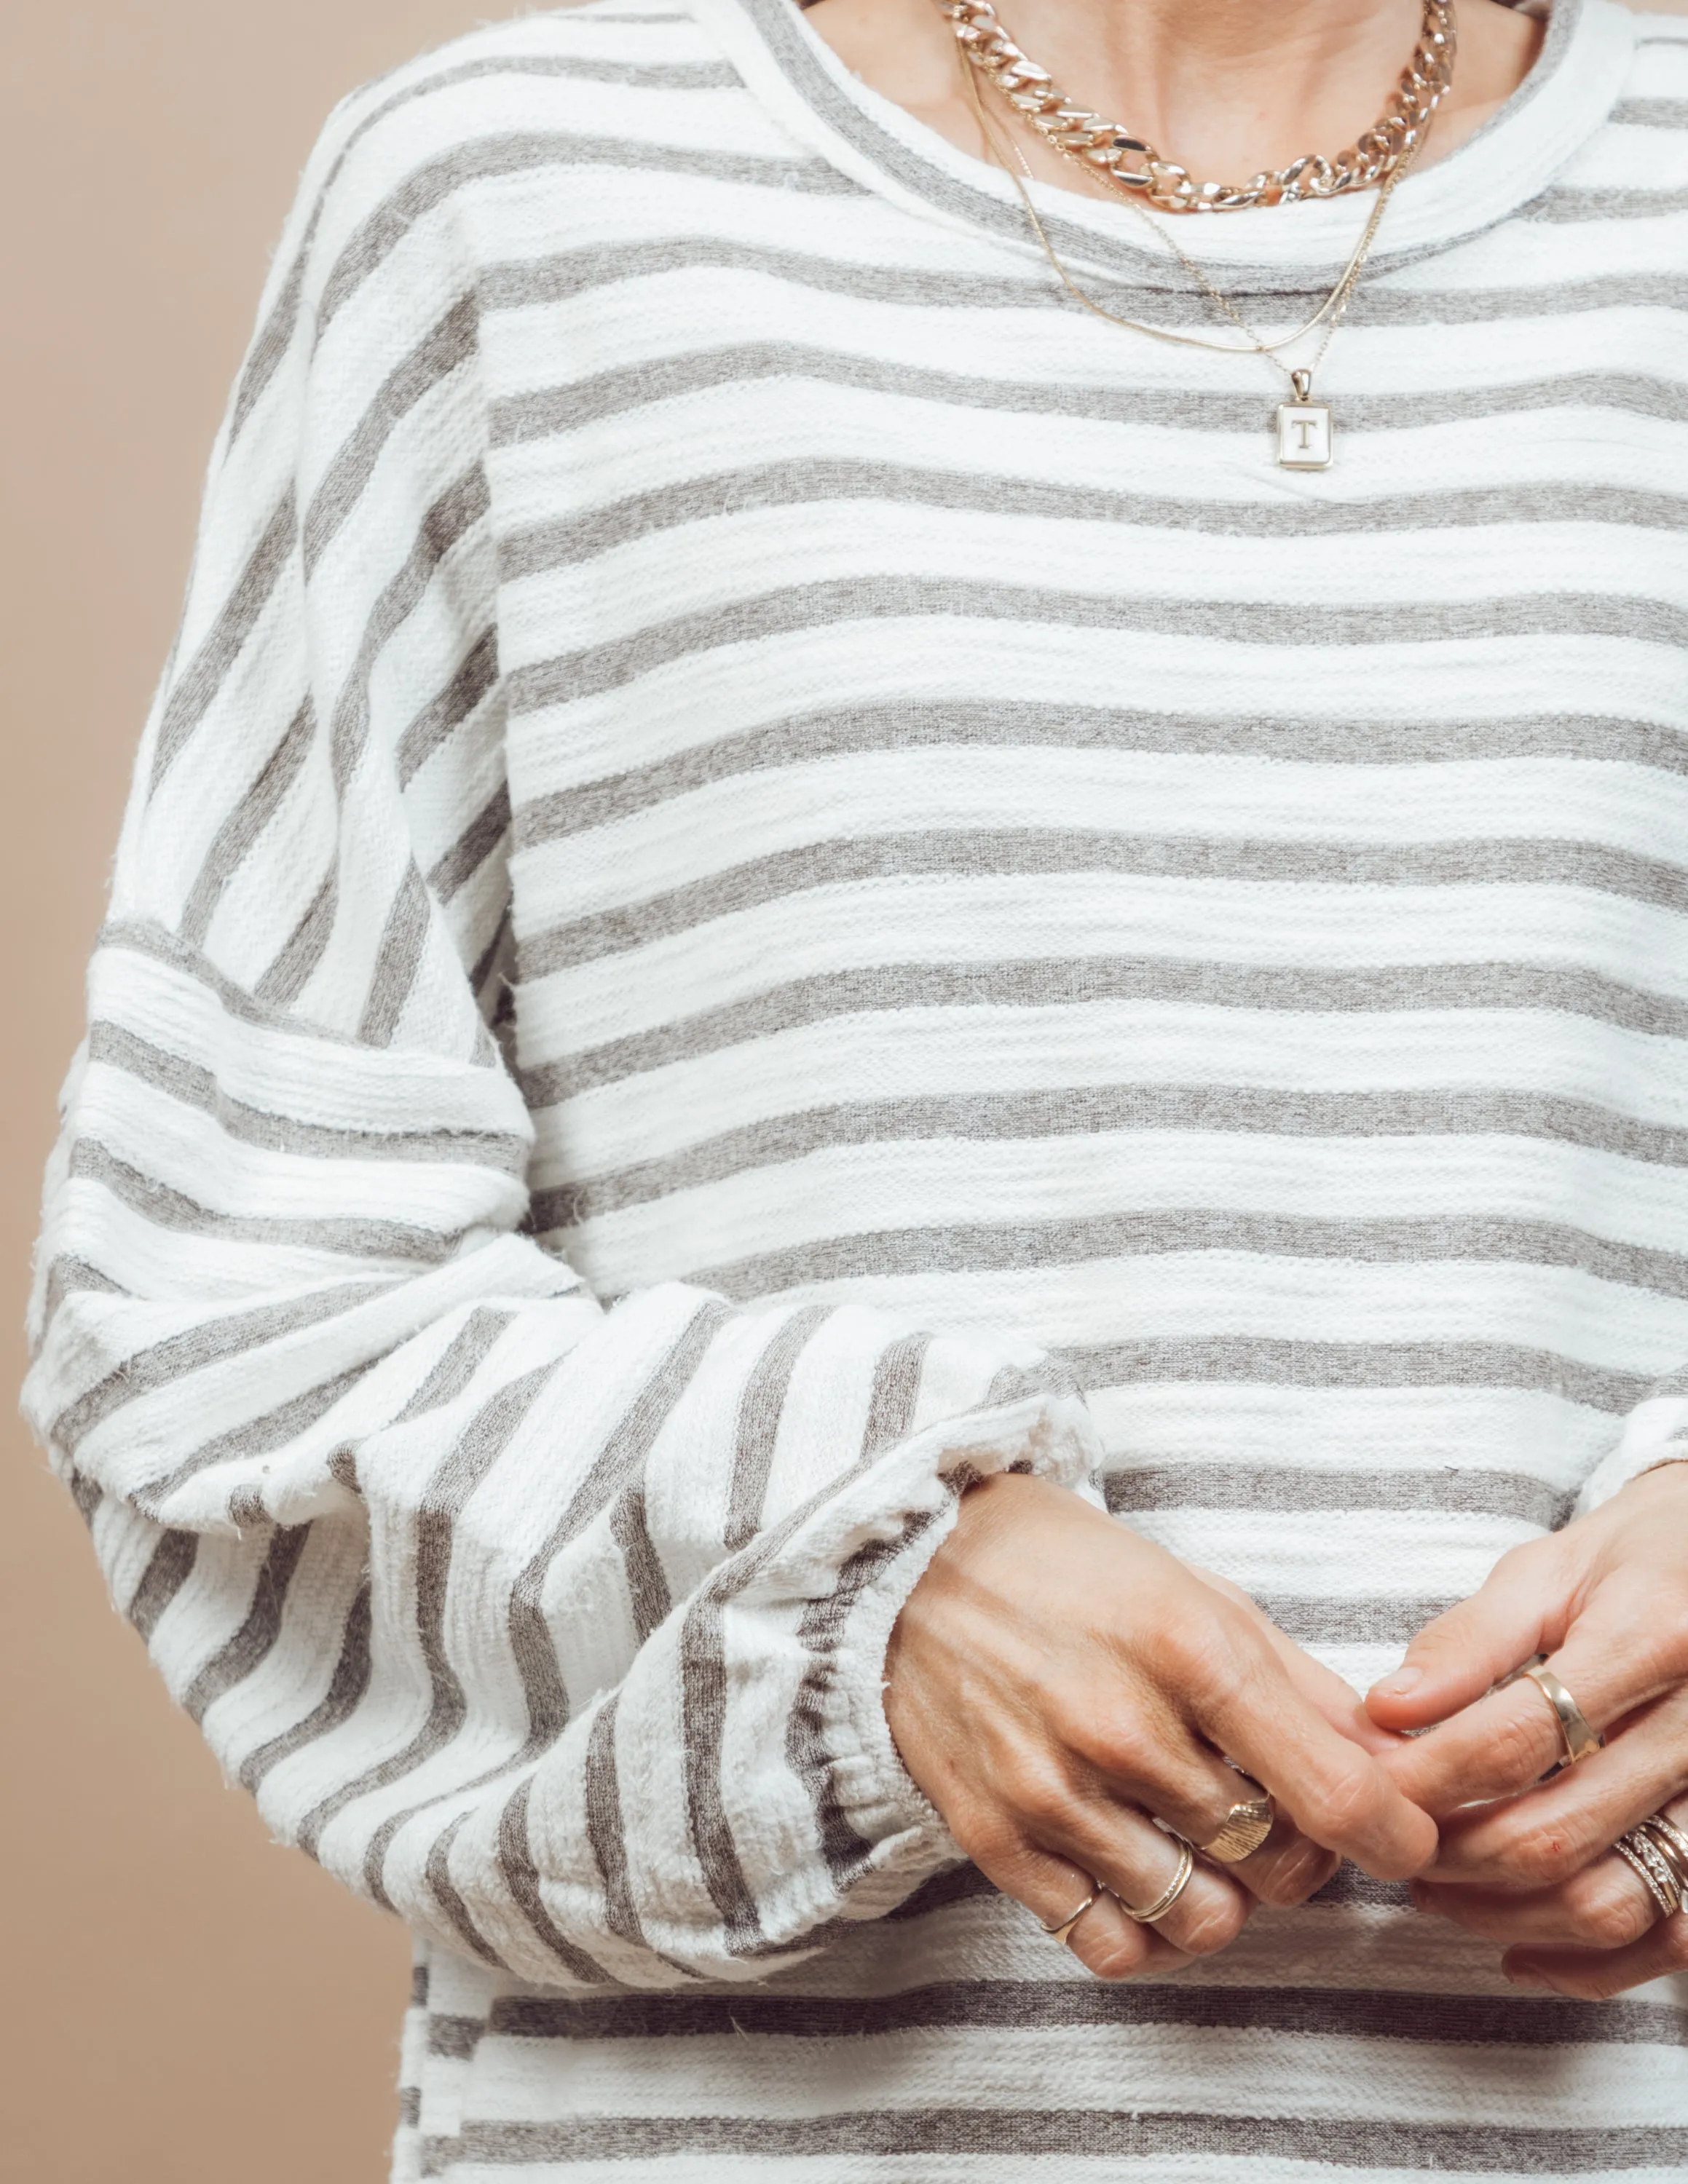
(1381, 157)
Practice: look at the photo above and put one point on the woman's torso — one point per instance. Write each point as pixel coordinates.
(988, 840)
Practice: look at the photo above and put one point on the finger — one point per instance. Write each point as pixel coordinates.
(1541, 1838)
(1138, 1861)
(1340, 1703)
(1112, 1946)
(1453, 1660)
(1288, 1868)
(1334, 1793)
(1597, 1975)
(1504, 1743)
(1151, 1760)
(1606, 1907)
(1052, 1888)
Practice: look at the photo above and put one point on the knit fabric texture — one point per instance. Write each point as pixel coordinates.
(775, 871)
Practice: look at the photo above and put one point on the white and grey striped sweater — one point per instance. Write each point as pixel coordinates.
(774, 869)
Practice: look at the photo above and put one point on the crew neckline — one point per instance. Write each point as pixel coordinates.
(1576, 78)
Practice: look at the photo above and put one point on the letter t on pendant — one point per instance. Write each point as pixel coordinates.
(1304, 428)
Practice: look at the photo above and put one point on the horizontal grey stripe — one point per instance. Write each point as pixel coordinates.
(1084, 1109)
(1510, 1496)
(998, 724)
(543, 413)
(494, 157)
(1081, 2134)
(1060, 982)
(1017, 852)
(1027, 2005)
(1317, 1619)
(173, 1209)
(119, 1048)
(212, 1342)
(1020, 1246)
(1591, 205)
(887, 596)
(804, 480)
(441, 351)
(1269, 1361)
(195, 689)
(457, 2038)
(1652, 112)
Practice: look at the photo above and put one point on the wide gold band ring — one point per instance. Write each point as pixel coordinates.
(1656, 1850)
(1577, 1734)
(1169, 1895)
(1247, 1826)
(1061, 1931)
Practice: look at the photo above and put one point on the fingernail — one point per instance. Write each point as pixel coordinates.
(1398, 1685)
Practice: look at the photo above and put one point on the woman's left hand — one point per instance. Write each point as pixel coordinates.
(1607, 1601)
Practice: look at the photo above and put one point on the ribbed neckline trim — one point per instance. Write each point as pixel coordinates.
(1578, 77)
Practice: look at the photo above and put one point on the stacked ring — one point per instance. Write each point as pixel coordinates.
(1169, 1895)
(1656, 1850)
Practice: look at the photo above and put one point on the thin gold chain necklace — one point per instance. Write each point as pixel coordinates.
(1305, 431)
(1130, 164)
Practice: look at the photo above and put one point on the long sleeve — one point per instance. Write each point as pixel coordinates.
(1655, 1432)
(558, 1630)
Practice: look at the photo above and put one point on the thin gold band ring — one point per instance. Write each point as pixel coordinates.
(1169, 1895)
(1062, 1930)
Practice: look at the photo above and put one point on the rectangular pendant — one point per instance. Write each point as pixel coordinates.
(1304, 436)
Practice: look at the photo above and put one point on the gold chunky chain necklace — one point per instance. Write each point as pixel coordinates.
(1111, 152)
(1305, 431)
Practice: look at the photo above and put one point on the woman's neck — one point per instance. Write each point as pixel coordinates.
(1223, 87)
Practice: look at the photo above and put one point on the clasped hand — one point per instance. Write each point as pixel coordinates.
(1056, 1683)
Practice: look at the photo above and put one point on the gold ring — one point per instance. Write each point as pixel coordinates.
(1642, 1855)
(1656, 1850)
(1580, 1739)
(1247, 1826)
(1169, 1895)
(1062, 1930)
(1672, 1842)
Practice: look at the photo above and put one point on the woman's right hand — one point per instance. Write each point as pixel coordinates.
(1054, 1679)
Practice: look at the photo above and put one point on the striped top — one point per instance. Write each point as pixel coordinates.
(774, 870)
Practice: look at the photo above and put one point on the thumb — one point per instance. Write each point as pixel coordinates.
(1460, 1656)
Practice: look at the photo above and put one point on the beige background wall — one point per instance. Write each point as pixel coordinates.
(183, 2003)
